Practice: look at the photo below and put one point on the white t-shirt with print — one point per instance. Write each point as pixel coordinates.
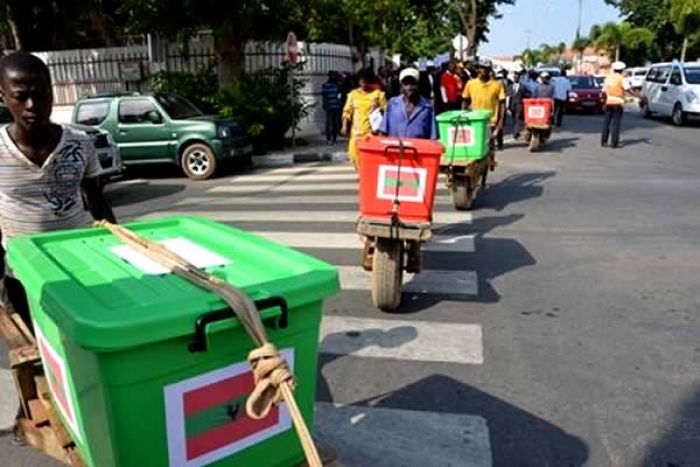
(39, 199)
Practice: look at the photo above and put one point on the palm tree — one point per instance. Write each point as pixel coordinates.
(580, 45)
(685, 16)
(612, 37)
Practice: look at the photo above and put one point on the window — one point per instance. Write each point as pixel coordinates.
(582, 82)
(692, 75)
(662, 74)
(178, 107)
(92, 113)
(651, 76)
(135, 110)
(676, 77)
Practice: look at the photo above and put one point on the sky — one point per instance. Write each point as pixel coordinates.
(550, 21)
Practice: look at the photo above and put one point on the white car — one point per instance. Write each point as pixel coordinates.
(106, 148)
(672, 90)
(635, 77)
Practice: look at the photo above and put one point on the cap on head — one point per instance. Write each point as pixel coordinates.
(619, 66)
(409, 73)
(484, 63)
(23, 62)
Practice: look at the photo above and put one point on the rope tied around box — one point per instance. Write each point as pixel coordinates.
(270, 371)
(274, 383)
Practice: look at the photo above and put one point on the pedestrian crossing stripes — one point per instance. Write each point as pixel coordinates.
(402, 340)
(439, 243)
(428, 281)
(298, 199)
(382, 437)
(308, 216)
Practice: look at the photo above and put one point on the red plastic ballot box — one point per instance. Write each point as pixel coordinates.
(538, 111)
(401, 170)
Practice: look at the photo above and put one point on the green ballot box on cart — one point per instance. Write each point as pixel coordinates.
(465, 135)
(147, 369)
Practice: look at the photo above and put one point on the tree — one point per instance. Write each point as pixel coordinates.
(685, 16)
(473, 17)
(612, 37)
(580, 45)
(233, 23)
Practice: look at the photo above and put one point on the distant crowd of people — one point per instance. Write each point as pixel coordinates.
(355, 105)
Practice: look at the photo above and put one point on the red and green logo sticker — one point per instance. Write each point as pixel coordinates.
(406, 184)
(206, 417)
(57, 377)
(460, 136)
(536, 111)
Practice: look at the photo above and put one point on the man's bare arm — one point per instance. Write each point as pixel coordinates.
(96, 202)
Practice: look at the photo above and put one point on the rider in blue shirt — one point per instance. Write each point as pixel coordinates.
(409, 115)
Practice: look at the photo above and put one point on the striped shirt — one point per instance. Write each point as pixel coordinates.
(39, 199)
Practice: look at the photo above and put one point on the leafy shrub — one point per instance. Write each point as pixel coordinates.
(266, 103)
(199, 87)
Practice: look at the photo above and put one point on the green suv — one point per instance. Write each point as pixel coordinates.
(153, 128)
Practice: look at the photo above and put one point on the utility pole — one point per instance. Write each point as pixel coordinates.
(580, 10)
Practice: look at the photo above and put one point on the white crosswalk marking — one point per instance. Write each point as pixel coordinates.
(379, 437)
(315, 168)
(402, 340)
(308, 216)
(315, 177)
(285, 188)
(8, 399)
(429, 281)
(441, 243)
(293, 198)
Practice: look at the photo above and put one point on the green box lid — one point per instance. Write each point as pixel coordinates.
(100, 301)
(463, 115)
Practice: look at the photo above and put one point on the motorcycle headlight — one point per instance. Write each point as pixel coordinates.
(223, 132)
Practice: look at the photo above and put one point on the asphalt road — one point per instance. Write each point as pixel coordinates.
(555, 325)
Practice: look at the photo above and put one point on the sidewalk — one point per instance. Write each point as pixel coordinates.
(308, 149)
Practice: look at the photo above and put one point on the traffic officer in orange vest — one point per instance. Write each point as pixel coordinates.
(614, 89)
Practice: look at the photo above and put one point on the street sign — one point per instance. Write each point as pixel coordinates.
(460, 43)
(292, 48)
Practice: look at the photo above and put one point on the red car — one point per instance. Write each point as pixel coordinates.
(585, 95)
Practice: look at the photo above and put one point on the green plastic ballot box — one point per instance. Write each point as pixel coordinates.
(147, 369)
(464, 134)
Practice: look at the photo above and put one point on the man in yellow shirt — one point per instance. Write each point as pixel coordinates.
(486, 93)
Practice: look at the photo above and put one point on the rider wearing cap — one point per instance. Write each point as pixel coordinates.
(545, 89)
(409, 115)
(614, 89)
(486, 93)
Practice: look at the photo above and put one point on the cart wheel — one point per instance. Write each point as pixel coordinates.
(387, 274)
(462, 193)
(534, 142)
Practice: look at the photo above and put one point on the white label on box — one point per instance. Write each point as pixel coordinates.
(194, 254)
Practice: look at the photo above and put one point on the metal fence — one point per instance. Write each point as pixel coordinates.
(76, 73)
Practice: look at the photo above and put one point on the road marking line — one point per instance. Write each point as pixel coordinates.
(307, 169)
(381, 437)
(302, 216)
(430, 281)
(402, 340)
(8, 399)
(350, 240)
(284, 188)
(291, 178)
(441, 199)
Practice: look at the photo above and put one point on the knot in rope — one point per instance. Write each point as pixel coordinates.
(269, 372)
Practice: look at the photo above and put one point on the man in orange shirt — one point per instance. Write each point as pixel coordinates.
(614, 89)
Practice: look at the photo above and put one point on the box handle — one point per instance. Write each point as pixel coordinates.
(199, 344)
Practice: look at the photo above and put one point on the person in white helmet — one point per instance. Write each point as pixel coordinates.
(614, 89)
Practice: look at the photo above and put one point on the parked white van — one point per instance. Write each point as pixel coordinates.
(673, 90)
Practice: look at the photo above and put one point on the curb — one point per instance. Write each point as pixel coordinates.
(279, 160)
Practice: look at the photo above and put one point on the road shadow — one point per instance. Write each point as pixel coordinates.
(133, 193)
(635, 141)
(512, 189)
(557, 144)
(680, 445)
(516, 437)
(493, 258)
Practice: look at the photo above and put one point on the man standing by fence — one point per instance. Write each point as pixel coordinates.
(330, 92)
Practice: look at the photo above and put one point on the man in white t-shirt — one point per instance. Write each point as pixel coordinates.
(48, 173)
(562, 88)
